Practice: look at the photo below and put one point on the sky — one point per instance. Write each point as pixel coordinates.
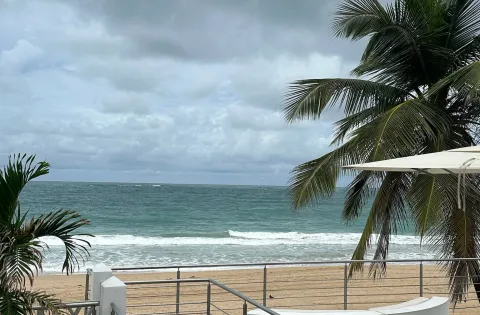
(165, 91)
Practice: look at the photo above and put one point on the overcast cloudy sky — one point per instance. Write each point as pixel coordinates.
(165, 91)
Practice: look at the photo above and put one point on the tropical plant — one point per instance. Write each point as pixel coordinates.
(416, 90)
(21, 250)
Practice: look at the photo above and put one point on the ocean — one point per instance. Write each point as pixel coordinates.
(163, 224)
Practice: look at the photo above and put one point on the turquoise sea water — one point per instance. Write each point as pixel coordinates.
(161, 224)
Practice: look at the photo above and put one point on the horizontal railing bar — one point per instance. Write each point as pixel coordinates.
(386, 294)
(233, 309)
(165, 281)
(219, 309)
(301, 305)
(463, 308)
(306, 297)
(376, 302)
(165, 295)
(243, 297)
(72, 305)
(225, 301)
(172, 313)
(369, 278)
(386, 286)
(327, 281)
(151, 287)
(442, 285)
(303, 280)
(302, 289)
(171, 304)
(305, 263)
(234, 283)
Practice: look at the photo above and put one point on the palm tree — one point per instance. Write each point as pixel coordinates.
(21, 251)
(416, 90)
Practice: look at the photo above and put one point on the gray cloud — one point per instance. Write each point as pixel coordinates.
(165, 90)
(126, 103)
(214, 30)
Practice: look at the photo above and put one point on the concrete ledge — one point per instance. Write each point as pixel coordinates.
(312, 312)
(400, 305)
(433, 306)
(418, 306)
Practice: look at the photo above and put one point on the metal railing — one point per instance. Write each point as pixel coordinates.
(75, 308)
(203, 306)
(115, 310)
(303, 284)
(88, 289)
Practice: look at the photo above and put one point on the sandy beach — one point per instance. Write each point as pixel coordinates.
(289, 287)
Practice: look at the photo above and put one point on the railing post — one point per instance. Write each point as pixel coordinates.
(177, 307)
(209, 292)
(345, 286)
(113, 296)
(87, 285)
(99, 274)
(265, 285)
(421, 278)
(245, 309)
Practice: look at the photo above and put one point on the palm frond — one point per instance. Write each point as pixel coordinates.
(401, 130)
(21, 302)
(19, 171)
(466, 80)
(61, 224)
(467, 54)
(408, 51)
(317, 179)
(345, 126)
(456, 235)
(356, 19)
(307, 99)
(387, 215)
(359, 192)
(463, 17)
(425, 199)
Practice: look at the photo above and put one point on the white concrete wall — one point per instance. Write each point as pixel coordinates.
(113, 290)
(100, 273)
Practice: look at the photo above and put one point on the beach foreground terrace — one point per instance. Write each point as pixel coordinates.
(318, 287)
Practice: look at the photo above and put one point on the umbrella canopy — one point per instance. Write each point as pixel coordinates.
(457, 161)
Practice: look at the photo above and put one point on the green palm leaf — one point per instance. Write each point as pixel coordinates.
(359, 192)
(21, 251)
(316, 179)
(308, 98)
(386, 217)
(22, 301)
(20, 170)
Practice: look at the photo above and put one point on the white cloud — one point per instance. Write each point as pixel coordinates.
(17, 59)
(82, 96)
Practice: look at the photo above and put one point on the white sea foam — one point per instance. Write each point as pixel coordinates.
(238, 238)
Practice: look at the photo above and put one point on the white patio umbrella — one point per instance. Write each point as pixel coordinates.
(458, 161)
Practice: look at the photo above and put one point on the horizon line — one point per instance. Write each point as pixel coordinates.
(159, 183)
